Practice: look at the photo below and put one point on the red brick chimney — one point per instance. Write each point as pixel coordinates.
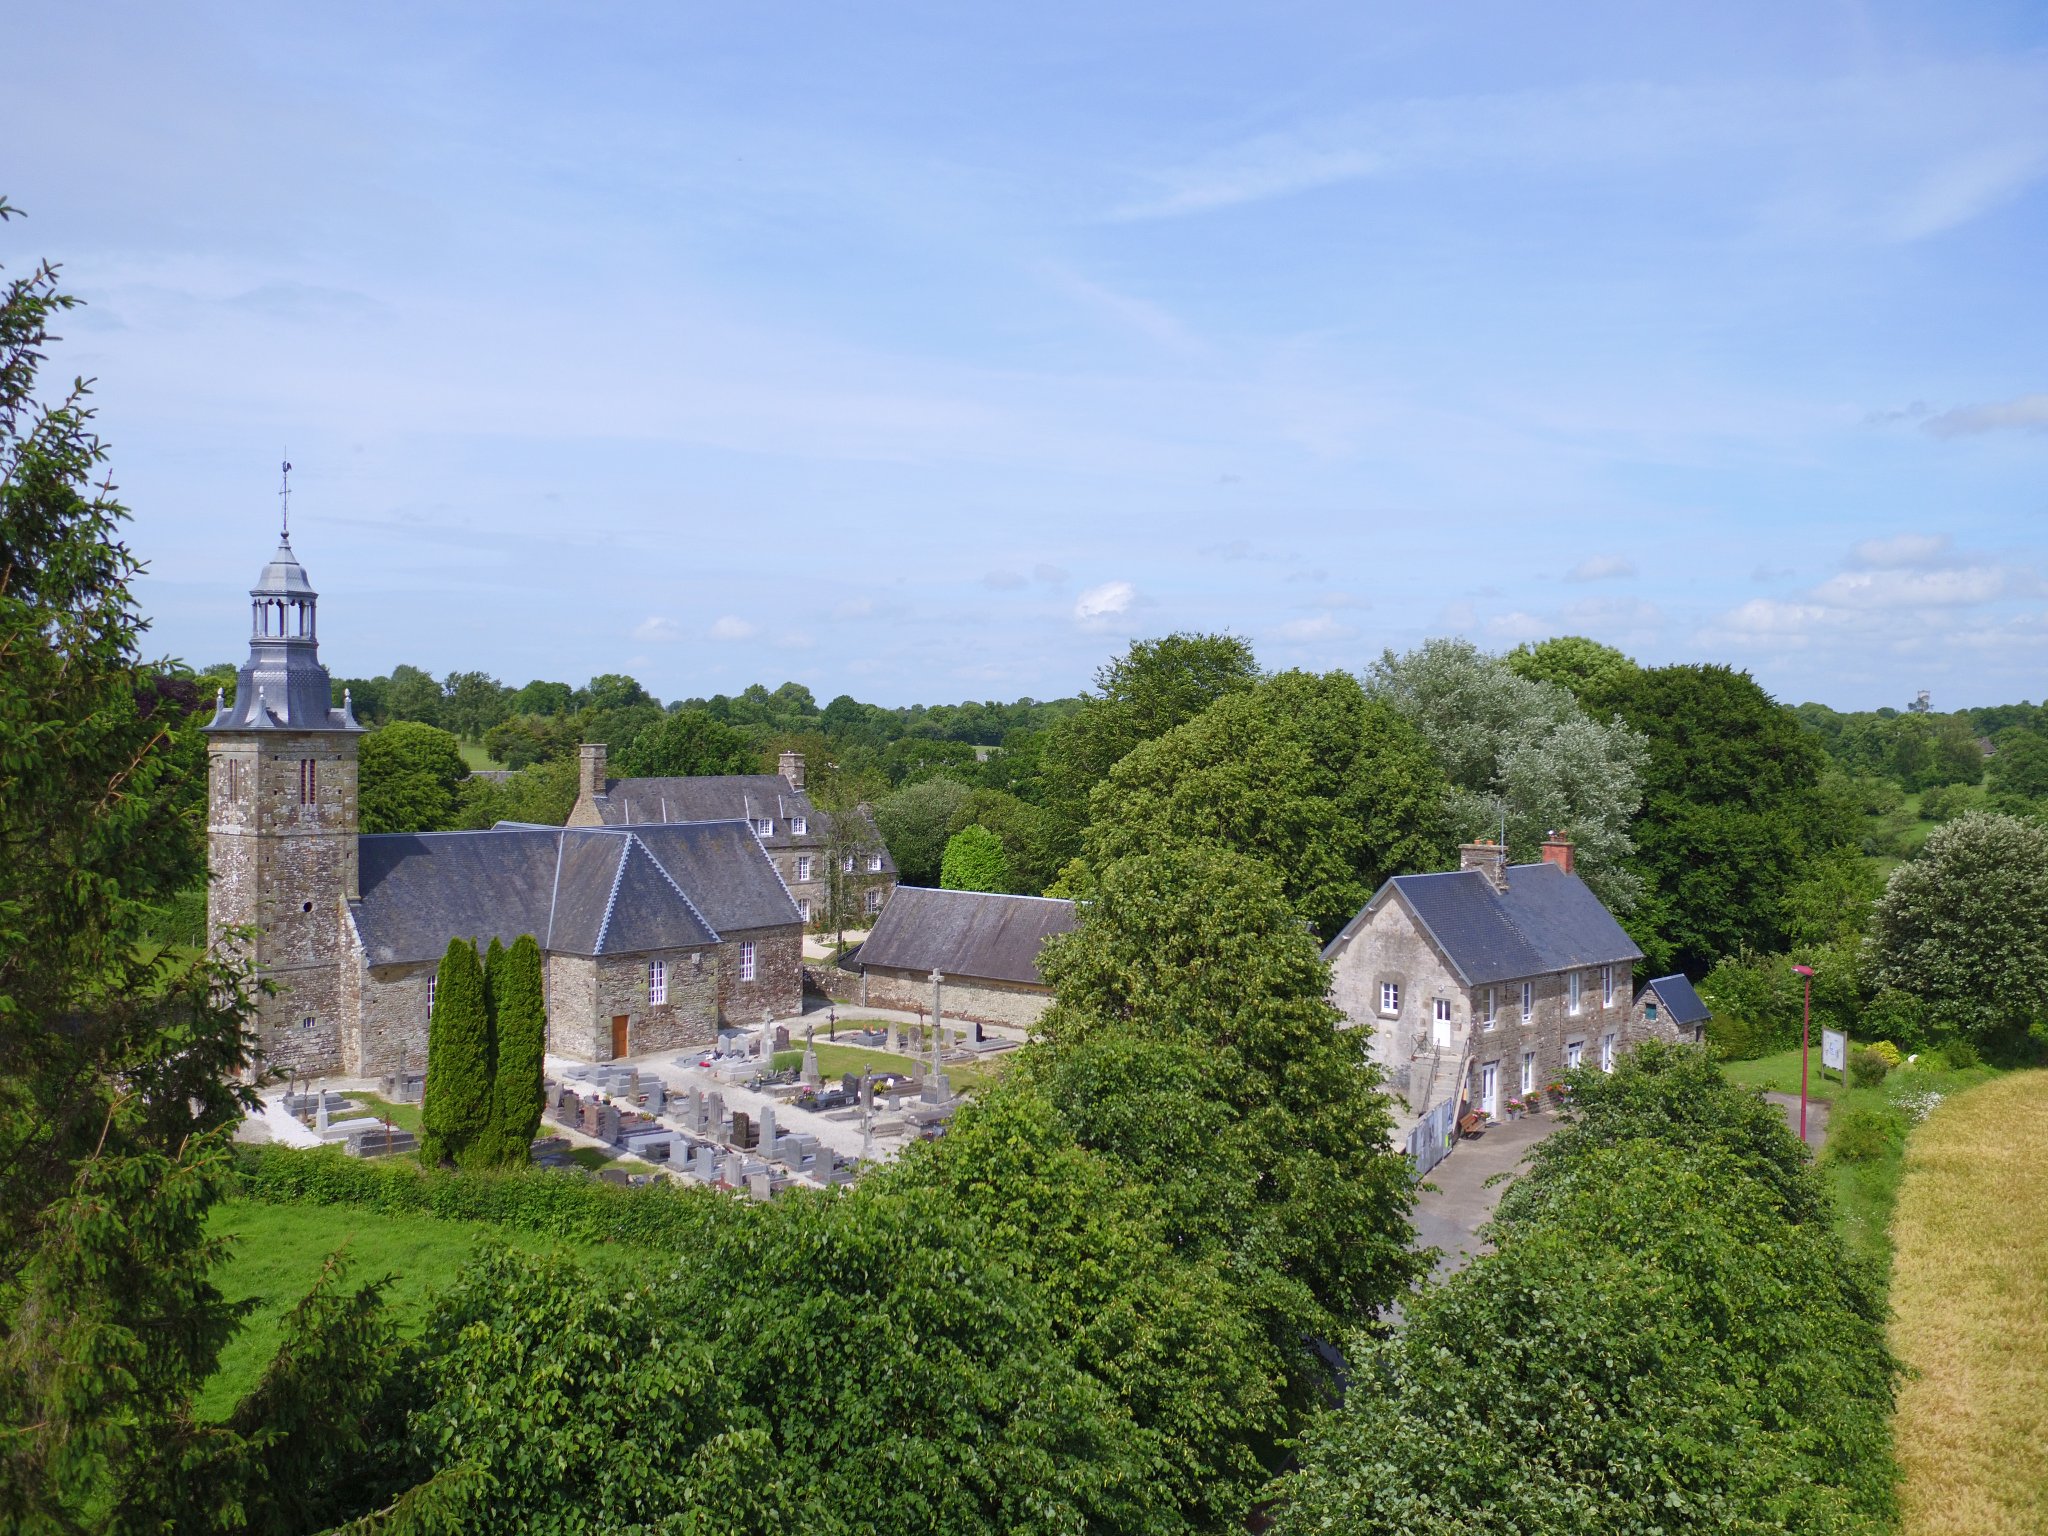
(1557, 849)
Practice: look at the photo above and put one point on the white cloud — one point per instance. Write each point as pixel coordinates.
(1601, 568)
(2024, 413)
(1896, 589)
(657, 628)
(1519, 626)
(1905, 549)
(727, 627)
(1105, 602)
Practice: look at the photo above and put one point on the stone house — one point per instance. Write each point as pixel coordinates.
(652, 935)
(1487, 982)
(1670, 1009)
(986, 947)
(796, 834)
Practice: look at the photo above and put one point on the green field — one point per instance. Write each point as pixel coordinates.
(1779, 1073)
(279, 1250)
(474, 756)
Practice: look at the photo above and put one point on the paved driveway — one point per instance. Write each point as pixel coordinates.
(1448, 1216)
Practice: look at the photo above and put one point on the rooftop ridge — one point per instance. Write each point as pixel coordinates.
(611, 899)
(633, 838)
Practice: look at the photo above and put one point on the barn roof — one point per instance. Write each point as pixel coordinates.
(974, 934)
(1682, 1004)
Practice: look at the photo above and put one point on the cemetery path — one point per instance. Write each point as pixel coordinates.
(1816, 1117)
(1449, 1215)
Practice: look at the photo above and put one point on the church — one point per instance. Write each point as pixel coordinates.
(654, 932)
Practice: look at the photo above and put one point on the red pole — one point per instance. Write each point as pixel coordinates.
(1805, 1040)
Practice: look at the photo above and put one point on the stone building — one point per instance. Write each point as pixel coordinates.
(796, 834)
(985, 945)
(1486, 983)
(652, 935)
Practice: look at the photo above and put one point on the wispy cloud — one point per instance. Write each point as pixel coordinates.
(1107, 601)
(1320, 627)
(729, 627)
(1902, 549)
(1601, 568)
(2025, 413)
(657, 628)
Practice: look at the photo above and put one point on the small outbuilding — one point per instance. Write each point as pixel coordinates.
(985, 946)
(1669, 1008)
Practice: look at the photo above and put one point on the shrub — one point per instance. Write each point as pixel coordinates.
(1864, 1134)
(1930, 1061)
(1894, 1016)
(1946, 803)
(1962, 1055)
(1892, 1055)
(1867, 1068)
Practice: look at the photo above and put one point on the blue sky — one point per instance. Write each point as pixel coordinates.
(926, 352)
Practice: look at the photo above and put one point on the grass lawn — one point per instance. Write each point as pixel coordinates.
(474, 756)
(1779, 1073)
(1970, 1313)
(835, 1060)
(405, 1116)
(279, 1252)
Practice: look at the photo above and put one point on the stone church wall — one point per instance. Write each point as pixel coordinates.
(777, 990)
(392, 1036)
(983, 1001)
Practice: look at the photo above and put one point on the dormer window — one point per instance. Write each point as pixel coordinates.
(874, 863)
(799, 826)
(764, 826)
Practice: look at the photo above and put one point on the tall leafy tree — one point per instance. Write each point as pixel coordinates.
(1334, 790)
(1521, 750)
(408, 777)
(687, 742)
(117, 1057)
(519, 1025)
(974, 862)
(916, 822)
(1585, 668)
(1192, 1042)
(1146, 692)
(455, 1110)
(413, 694)
(1963, 929)
(473, 703)
(1733, 806)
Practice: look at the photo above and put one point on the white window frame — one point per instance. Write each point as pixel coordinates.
(803, 908)
(1606, 986)
(657, 983)
(846, 865)
(1574, 992)
(764, 826)
(1390, 999)
(874, 863)
(433, 981)
(1443, 1010)
(803, 867)
(874, 898)
(1528, 1002)
(1574, 1054)
(800, 826)
(1485, 1004)
(746, 960)
(1608, 1044)
(1528, 1073)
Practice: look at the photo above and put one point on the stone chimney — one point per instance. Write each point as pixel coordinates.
(1557, 849)
(591, 785)
(1490, 859)
(792, 766)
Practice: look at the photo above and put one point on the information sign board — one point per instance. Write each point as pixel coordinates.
(1834, 1050)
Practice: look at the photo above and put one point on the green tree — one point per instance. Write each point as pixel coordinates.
(407, 778)
(117, 1057)
(974, 862)
(522, 740)
(455, 1110)
(1025, 832)
(1193, 1044)
(1583, 667)
(688, 742)
(411, 694)
(917, 821)
(1734, 1376)
(1146, 692)
(1335, 791)
(473, 703)
(540, 795)
(2018, 772)
(542, 698)
(1960, 930)
(519, 1032)
(1524, 751)
(1733, 806)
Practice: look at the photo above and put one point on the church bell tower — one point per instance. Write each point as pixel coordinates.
(281, 822)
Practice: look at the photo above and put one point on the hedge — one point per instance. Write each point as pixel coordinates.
(659, 1216)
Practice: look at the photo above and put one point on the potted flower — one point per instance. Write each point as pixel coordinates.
(1514, 1109)
(1532, 1101)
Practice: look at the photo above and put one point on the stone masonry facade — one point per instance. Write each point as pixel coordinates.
(981, 1001)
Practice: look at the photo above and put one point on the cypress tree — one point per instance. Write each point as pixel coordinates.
(519, 1015)
(456, 1109)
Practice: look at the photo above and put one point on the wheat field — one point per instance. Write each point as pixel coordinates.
(1970, 1313)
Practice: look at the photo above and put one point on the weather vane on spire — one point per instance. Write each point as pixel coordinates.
(284, 496)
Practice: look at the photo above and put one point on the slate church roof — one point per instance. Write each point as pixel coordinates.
(970, 934)
(578, 890)
(1545, 921)
(745, 797)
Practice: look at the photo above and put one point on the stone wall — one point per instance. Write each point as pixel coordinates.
(391, 1035)
(983, 1001)
(585, 995)
(573, 1025)
(777, 990)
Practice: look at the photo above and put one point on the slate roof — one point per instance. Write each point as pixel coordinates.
(721, 797)
(578, 890)
(1682, 1005)
(1545, 921)
(971, 934)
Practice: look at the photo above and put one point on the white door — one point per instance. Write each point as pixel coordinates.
(1440, 1028)
(1489, 1089)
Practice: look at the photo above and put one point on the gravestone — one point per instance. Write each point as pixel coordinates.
(734, 1170)
(608, 1123)
(743, 1133)
(810, 1073)
(895, 1035)
(759, 1185)
(767, 1130)
(714, 1114)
